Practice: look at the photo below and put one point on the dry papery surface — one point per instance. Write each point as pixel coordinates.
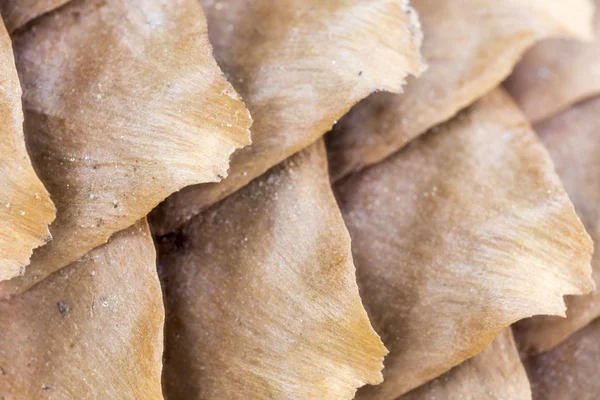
(495, 373)
(261, 295)
(470, 46)
(463, 232)
(17, 13)
(574, 144)
(570, 370)
(299, 65)
(25, 206)
(93, 330)
(103, 83)
(557, 73)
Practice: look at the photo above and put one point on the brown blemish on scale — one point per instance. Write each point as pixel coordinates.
(63, 308)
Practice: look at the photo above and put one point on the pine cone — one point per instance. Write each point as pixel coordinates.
(299, 199)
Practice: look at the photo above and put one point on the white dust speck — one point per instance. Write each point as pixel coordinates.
(544, 73)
